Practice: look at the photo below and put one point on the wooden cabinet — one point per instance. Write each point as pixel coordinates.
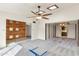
(15, 29)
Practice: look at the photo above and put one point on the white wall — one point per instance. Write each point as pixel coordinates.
(2, 32)
(68, 14)
(71, 31)
(41, 30)
(34, 31)
(58, 31)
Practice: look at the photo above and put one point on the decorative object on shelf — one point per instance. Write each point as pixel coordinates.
(63, 27)
(17, 29)
(10, 36)
(10, 29)
(17, 36)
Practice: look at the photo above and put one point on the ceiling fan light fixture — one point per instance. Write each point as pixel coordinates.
(38, 17)
(52, 7)
(41, 12)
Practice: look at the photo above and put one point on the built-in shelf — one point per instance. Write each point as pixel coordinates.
(63, 30)
(10, 36)
(10, 29)
(15, 29)
(17, 36)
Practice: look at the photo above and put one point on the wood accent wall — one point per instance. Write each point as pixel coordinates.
(15, 29)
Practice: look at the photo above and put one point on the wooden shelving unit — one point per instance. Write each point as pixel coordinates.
(15, 29)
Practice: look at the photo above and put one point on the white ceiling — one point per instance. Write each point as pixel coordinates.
(25, 8)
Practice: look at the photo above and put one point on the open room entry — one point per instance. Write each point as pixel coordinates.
(65, 30)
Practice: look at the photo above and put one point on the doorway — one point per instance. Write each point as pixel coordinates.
(48, 31)
(28, 29)
(65, 30)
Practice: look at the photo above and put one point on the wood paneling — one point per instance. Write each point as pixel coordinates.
(19, 29)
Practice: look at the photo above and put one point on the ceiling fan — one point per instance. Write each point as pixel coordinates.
(40, 14)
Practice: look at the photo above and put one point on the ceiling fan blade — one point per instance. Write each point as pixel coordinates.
(34, 13)
(47, 14)
(45, 18)
(31, 17)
